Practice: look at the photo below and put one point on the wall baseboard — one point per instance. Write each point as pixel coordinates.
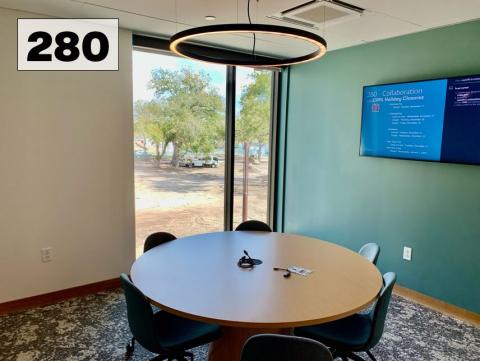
(437, 305)
(57, 296)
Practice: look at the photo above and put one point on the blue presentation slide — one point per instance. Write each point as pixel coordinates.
(404, 120)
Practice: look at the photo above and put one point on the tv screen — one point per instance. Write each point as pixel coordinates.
(434, 120)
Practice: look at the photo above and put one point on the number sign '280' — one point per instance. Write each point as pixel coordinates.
(67, 44)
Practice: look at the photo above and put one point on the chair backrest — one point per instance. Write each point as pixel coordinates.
(140, 315)
(379, 312)
(370, 251)
(156, 239)
(253, 225)
(284, 348)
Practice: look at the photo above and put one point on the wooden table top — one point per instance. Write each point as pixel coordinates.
(197, 277)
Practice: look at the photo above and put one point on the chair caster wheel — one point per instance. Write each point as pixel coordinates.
(130, 348)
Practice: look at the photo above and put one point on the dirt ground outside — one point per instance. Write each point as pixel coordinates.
(186, 201)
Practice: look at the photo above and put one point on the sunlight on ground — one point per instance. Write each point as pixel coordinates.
(186, 201)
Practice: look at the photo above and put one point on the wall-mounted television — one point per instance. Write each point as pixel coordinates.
(433, 120)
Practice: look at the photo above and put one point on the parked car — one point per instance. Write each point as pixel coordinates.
(198, 162)
(211, 162)
(186, 162)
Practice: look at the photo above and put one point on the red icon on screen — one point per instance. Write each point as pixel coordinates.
(375, 108)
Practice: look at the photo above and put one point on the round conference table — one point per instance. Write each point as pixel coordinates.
(197, 277)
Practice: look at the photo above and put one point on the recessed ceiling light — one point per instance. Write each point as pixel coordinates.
(210, 18)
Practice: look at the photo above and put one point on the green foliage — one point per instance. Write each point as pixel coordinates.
(193, 109)
(150, 123)
(253, 124)
(187, 112)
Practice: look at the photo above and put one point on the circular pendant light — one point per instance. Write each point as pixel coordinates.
(180, 44)
(186, 44)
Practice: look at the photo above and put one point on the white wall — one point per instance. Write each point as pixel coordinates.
(66, 172)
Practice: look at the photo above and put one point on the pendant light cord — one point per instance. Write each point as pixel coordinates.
(250, 21)
(176, 16)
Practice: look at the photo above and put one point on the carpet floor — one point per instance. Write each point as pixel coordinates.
(94, 327)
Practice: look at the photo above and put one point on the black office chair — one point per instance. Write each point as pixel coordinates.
(253, 225)
(156, 239)
(356, 333)
(284, 348)
(162, 333)
(370, 251)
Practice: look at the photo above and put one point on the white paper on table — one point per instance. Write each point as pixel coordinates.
(300, 270)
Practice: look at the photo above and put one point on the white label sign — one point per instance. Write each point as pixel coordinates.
(67, 44)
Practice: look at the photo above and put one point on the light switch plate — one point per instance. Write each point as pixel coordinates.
(407, 253)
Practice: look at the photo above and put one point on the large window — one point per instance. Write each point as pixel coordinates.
(182, 173)
(252, 145)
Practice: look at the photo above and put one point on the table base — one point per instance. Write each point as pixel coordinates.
(229, 346)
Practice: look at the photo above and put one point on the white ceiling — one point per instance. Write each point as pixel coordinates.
(382, 18)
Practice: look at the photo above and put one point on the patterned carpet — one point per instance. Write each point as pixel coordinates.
(95, 328)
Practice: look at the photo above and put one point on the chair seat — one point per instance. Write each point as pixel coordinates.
(350, 333)
(178, 333)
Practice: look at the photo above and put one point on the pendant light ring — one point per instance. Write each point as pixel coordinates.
(178, 44)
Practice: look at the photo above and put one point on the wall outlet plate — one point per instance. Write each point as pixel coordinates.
(46, 254)
(407, 253)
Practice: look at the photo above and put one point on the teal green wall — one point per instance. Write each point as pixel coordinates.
(333, 194)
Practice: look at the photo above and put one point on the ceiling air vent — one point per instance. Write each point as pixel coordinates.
(317, 13)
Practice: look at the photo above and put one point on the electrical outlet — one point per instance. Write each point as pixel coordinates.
(407, 253)
(46, 254)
